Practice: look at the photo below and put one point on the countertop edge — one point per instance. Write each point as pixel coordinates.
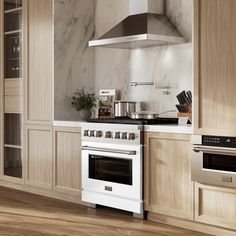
(176, 129)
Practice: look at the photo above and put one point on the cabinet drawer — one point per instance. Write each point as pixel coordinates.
(215, 206)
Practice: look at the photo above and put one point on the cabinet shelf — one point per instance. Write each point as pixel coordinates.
(12, 146)
(13, 10)
(13, 32)
(20, 78)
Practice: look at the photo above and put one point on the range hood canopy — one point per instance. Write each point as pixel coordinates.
(146, 26)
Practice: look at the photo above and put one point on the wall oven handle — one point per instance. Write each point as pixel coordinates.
(117, 151)
(215, 150)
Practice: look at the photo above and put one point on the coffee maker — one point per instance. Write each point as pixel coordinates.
(106, 103)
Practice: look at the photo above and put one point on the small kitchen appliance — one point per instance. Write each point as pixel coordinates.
(214, 160)
(106, 103)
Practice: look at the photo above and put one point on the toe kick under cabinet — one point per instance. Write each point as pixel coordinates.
(26, 92)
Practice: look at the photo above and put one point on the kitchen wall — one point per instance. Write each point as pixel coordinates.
(74, 61)
(169, 66)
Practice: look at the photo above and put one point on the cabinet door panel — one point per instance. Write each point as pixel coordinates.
(39, 156)
(67, 152)
(215, 206)
(168, 186)
(215, 70)
(40, 60)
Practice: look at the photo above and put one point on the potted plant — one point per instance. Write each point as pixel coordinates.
(83, 103)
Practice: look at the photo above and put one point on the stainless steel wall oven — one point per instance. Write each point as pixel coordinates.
(214, 160)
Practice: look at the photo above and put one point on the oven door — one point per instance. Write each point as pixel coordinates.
(112, 169)
(214, 165)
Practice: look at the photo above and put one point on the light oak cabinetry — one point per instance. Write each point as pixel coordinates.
(215, 206)
(40, 62)
(67, 160)
(39, 89)
(26, 91)
(167, 180)
(215, 70)
(39, 160)
(11, 89)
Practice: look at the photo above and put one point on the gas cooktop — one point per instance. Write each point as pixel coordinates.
(158, 121)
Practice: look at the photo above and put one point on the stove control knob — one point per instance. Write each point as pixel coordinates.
(117, 135)
(91, 133)
(108, 134)
(131, 136)
(98, 134)
(124, 135)
(86, 132)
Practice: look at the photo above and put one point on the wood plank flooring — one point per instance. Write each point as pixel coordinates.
(24, 214)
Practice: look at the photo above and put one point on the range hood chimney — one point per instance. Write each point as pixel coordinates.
(146, 26)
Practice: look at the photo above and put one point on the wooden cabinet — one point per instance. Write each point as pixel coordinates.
(215, 206)
(11, 89)
(215, 70)
(167, 180)
(26, 80)
(40, 63)
(39, 161)
(67, 159)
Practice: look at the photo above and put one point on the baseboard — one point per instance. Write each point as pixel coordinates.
(191, 225)
(71, 197)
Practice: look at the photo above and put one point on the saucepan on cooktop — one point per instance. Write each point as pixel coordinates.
(124, 108)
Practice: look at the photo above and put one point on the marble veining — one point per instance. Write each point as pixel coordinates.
(74, 60)
(168, 66)
(77, 66)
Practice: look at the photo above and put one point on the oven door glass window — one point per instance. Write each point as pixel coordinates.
(219, 162)
(110, 169)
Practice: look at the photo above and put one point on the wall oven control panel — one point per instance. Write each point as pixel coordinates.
(219, 141)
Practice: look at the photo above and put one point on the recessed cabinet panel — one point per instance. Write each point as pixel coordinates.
(167, 176)
(215, 206)
(67, 159)
(40, 61)
(39, 156)
(215, 70)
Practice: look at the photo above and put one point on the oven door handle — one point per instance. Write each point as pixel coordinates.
(117, 151)
(215, 150)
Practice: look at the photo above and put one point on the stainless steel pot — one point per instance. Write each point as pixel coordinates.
(124, 108)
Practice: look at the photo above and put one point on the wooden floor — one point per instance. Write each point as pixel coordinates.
(23, 214)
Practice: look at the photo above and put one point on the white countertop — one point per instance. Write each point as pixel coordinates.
(177, 129)
(72, 124)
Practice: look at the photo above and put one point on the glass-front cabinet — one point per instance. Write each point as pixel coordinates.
(13, 87)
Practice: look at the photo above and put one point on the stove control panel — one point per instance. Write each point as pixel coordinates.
(108, 135)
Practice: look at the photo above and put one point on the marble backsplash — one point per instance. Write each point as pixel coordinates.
(74, 60)
(77, 66)
(167, 66)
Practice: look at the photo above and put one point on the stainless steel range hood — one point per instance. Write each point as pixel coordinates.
(146, 26)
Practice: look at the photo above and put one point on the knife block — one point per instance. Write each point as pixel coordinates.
(186, 115)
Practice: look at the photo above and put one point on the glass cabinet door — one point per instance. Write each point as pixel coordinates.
(13, 88)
